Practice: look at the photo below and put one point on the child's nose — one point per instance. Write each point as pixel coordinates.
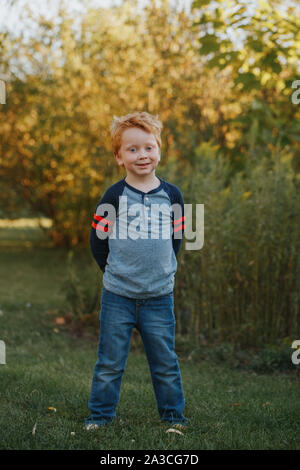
(142, 155)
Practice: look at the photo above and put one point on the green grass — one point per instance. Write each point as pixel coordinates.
(47, 366)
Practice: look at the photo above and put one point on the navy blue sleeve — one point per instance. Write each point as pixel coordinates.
(178, 222)
(178, 216)
(101, 227)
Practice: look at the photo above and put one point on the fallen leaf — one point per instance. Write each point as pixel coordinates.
(51, 408)
(174, 430)
(55, 330)
(60, 320)
(33, 429)
(242, 403)
(267, 403)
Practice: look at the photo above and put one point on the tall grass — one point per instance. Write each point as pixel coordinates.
(243, 285)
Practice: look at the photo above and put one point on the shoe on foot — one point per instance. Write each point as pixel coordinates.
(91, 426)
(179, 426)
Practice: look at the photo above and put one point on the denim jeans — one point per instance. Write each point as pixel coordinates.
(154, 319)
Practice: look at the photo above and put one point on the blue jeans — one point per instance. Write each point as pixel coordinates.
(154, 319)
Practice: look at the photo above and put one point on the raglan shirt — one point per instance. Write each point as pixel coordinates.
(135, 238)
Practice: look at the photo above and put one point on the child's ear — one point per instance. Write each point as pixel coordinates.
(119, 161)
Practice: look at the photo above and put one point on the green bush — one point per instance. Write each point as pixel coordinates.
(271, 358)
(242, 287)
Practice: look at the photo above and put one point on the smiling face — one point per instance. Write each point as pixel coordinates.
(139, 153)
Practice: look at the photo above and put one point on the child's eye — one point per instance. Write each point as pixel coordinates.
(133, 148)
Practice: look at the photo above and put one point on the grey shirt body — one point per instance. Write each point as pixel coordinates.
(135, 244)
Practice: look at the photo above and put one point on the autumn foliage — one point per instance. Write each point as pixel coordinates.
(221, 78)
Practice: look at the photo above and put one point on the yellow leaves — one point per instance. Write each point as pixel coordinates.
(6, 126)
(55, 146)
(26, 222)
(246, 194)
(94, 125)
(288, 157)
(264, 4)
(225, 192)
(76, 63)
(67, 177)
(20, 127)
(51, 408)
(25, 182)
(280, 85)
(174, 47)
(265, 77)
(232, 137)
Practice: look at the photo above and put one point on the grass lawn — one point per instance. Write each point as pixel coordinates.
(45, 384)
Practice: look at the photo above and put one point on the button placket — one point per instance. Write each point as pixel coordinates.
(147, 208)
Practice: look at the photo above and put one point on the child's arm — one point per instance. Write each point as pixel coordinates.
(101, 228)
(178, 221)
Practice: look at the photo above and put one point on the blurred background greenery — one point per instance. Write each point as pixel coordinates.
(221, 76)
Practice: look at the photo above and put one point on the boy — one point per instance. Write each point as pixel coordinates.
(139, 268)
